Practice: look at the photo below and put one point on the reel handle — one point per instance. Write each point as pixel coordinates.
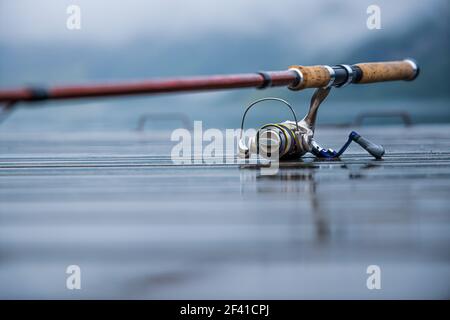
(374, 149)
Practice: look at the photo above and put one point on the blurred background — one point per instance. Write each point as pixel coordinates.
(144, 39)
(79, 185)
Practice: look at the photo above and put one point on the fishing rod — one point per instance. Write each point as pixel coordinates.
(295, 78)
(288, 139)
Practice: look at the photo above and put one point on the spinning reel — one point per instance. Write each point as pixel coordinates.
(293, 139)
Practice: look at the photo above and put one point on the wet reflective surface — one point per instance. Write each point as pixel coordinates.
(141, 227)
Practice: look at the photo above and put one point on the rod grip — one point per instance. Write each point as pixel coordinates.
(340, 75)
(311, 77)
(387, 71)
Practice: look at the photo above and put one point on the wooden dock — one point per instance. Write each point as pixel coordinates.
(140, 226)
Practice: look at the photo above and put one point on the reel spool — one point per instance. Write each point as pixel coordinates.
(283, 140)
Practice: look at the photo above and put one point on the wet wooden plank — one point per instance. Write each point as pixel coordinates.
(140, 226)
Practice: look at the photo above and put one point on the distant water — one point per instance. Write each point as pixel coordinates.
(170, 112)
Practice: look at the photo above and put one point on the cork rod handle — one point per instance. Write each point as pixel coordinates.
(341, 75)
(387, 71)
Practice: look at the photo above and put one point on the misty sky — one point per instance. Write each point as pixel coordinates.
(115, 22)
(139, 39)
